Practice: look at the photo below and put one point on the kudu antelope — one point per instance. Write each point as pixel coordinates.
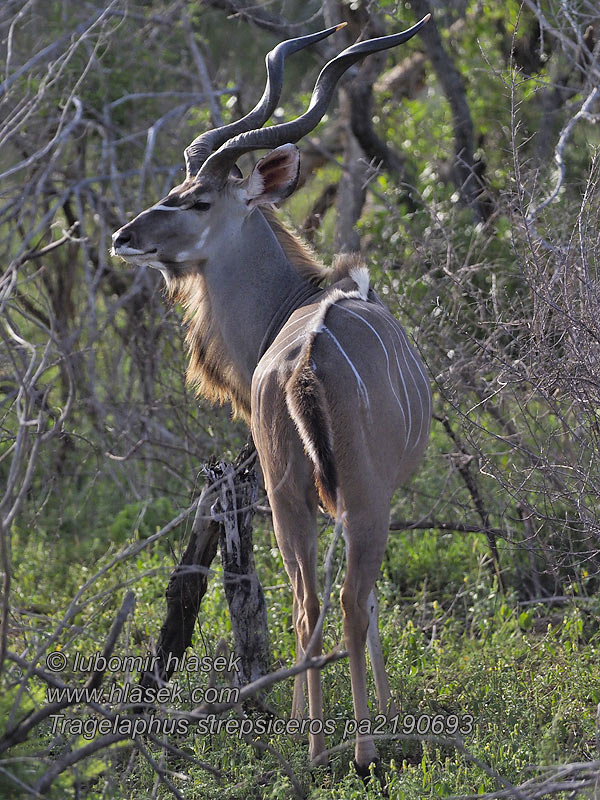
(336, 397)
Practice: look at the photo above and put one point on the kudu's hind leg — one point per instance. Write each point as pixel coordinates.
(296, 533)
(366, 537)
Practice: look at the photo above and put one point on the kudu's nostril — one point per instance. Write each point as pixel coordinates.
(121, 239)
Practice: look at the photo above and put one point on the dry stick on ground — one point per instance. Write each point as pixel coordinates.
(261, 746)
(568, 780)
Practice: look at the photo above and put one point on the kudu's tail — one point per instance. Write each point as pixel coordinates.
(308, 408)
(305, 395)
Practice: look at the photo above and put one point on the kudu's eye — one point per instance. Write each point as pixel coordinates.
(200, 206)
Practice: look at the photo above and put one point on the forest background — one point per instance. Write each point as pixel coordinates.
(465, 167)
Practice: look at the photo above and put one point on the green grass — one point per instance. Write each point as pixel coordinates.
(527, 675)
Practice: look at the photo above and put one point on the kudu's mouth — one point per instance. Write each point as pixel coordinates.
(125, 252)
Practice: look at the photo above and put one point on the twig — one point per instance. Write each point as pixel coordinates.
(66, 761)
(200, 63)
(565, 134)
(127, 606)
(463, 465)
(20, 731)
(46, 53)
(326, 602)
(571, 778)
(251, 689)
(31, 255)
(459, 527)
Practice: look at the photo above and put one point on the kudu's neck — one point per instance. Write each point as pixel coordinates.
(248, 284)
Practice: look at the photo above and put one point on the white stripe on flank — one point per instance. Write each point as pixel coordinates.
(424, 416)
(289, 336)
(387, 361)
(319, 326)
(361, 385)
(427, 392)
(316, 327)
(281, 350)
(413, 433)
(403, 341)
(401, 373)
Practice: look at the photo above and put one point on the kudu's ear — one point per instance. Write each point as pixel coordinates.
(275, 176)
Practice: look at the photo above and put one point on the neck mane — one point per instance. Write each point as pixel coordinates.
(211, 368)
(299, 254)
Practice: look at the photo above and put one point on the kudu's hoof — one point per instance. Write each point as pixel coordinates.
(322, 760)
(366, 774)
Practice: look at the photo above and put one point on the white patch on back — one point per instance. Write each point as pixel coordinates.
(333, 297)
(360, 276)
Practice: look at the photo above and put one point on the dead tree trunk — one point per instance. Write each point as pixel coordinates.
(224, 513)
(238, 491)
